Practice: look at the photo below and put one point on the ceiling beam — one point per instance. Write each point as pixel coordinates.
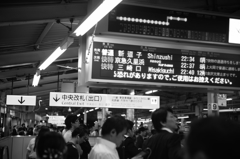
(36, 56)
(44, 33)
(20, 14)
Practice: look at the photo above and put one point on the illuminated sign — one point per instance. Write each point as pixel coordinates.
(120, 62)
(169, 23)
(103, 100)
(58, 120)
(234, 31)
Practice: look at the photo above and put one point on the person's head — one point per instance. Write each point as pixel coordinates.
(72, 121)
(37, 129)
(213, 138)
(78, 135)
(164, 117)
(42, 131)
(114, 129)
(142, 131)
(130, 128)
(51, 145)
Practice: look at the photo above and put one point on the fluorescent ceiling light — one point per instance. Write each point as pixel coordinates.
(58, 52)
(205, 109)
(123, 114)
(103, 9)
(183, 117)
(96, 108)
(229, 99)
(152, 91)
(188, 122)
(36, 79)
(78, 115)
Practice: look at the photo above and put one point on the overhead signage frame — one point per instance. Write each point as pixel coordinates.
(61, 99)
(21, 100)
(218, 66)
(137, 20)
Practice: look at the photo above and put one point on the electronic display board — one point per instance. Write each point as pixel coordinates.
(121, 62)
(168, 23)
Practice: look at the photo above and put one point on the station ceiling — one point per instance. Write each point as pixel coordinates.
(29, 32)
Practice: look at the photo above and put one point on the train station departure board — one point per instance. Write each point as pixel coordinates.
(173, 24)
(162, 65)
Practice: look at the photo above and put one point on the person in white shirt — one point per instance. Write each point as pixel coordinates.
(72, 122)
(113, 131)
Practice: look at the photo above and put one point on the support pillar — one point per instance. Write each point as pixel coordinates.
(212, 98)
(130, 112)
(81, 88)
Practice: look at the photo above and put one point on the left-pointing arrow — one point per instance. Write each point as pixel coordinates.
(21, 101)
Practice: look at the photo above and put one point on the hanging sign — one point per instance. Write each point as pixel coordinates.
(222, 100)
(103, 100)
(213, 106)
(21, 100)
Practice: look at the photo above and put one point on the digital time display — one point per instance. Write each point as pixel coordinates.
(168, 23)
(162, 65)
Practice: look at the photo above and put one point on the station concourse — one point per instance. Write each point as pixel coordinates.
(142, 55)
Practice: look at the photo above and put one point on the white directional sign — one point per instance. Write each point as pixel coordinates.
(213, 106)
(103, 100)
(222, 100)
(21, 100)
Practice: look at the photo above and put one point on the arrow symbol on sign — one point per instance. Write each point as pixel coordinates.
(21, 101)
(56, 99)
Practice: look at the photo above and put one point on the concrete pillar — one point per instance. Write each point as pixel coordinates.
(130, 112)
(199, 110)
(104, 115)
(80, 88)
(212, 98)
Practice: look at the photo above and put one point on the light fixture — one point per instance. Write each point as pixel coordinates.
(103, 9)
(152, 91)
(58, 52)
(69, 109)
(96, 108)
(36, 78)
(78, 115)
(91, 110)
(183, 117)
(228, 99)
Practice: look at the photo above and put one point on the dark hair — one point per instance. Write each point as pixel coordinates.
(78, 132)
(115, 122)
(160, 115)
(42, 131)
(141, 129)
(69, 120)
(216, 137)
(129, 124)
(51, 145)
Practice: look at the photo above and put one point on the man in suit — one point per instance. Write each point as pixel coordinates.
(128, 149)
(165, 144)
(140, 139)
(213, 138)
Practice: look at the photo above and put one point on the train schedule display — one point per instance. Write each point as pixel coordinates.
(120, 62)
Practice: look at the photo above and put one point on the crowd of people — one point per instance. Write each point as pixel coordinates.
(208, 138)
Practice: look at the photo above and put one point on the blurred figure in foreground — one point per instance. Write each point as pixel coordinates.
(51, 145)
(213, 138)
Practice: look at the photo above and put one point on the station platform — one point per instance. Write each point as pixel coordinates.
(17, 146)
